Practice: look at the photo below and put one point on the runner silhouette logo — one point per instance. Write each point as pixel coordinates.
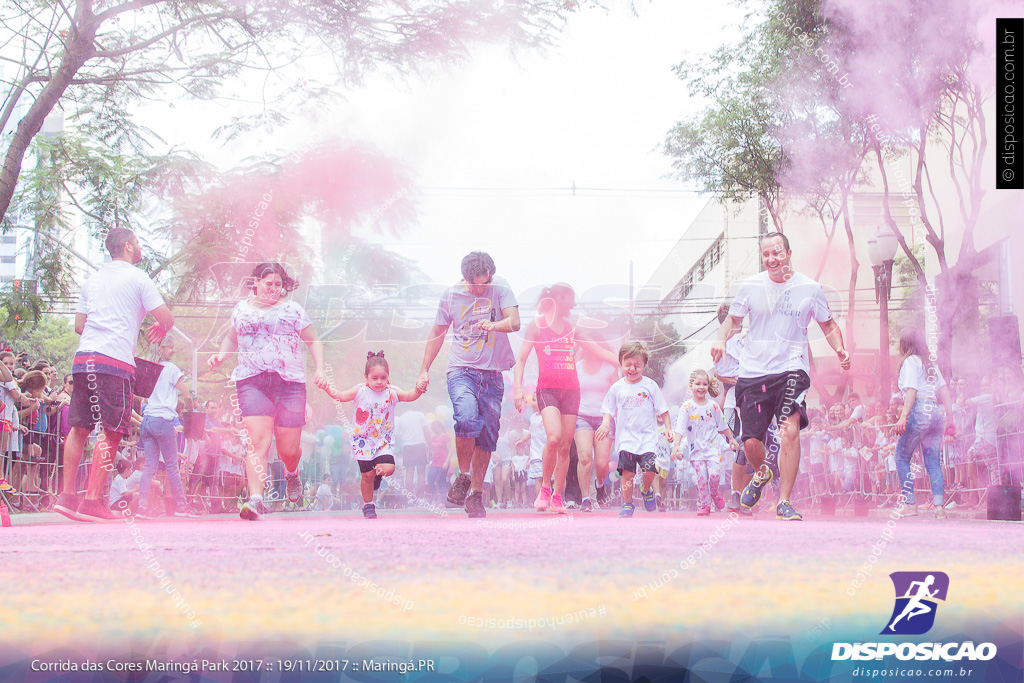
(917, 594)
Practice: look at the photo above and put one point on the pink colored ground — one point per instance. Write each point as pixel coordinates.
(70, 583)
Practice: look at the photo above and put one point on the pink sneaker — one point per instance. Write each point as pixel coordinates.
(543, 498)
(556, 504)
(718, 500)
(704, 511)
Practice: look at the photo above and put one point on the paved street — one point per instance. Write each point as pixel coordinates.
(296, 579)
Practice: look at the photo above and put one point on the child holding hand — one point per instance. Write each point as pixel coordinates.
(373, 435)
(704, 425)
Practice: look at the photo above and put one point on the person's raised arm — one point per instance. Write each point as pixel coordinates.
(509, 322)
(316, 349)
(529, 339)
(164, 323)
(834, 336)
(342, 396)
(407, 396)
(730, 327)
(433, 347)
(227, 345)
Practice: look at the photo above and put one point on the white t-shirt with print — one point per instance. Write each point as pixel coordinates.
(636, 408)
(701, 425)
(163, 402)
(115, 300)
(914, 376)
(779, 314)
(373, 434)
(268, 340)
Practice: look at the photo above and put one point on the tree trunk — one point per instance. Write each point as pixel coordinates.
(79, 48)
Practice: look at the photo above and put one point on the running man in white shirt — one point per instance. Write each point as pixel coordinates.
(774, 364)
(110, 311)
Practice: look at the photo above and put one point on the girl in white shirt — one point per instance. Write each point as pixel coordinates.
(373, 435)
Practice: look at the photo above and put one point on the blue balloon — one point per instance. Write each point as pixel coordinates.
(336, 432)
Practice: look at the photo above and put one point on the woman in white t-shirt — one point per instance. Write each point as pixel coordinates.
(269, 331)
(921, 422)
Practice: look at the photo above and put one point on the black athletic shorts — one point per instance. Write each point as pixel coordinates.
(772, 396)
(369, 465)
(631, 462)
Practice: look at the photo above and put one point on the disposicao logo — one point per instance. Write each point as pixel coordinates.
(917, 596)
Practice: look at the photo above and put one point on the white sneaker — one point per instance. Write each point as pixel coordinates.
(951, 505)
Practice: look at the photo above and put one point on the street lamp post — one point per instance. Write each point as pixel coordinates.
(881, 252)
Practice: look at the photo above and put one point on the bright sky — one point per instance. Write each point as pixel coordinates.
(593, 110)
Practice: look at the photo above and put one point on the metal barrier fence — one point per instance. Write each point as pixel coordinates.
(216, 482)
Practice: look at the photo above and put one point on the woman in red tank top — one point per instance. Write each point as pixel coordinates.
(558, 387)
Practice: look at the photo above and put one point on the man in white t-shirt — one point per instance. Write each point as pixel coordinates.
(482, 311)
(774, 363)
(110, 311)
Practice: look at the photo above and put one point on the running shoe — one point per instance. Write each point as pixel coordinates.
(940, 513)
(785, 511)
(734, 503)
(67, 505)
(627, 510)
(703, 511)
(909, 511)
(660, 503)
(649, 504)
(927, 506)
(951, 505)
(369, 511)
(253, 510)
(556, 504)
(543, 499)
(587, 506)
(96, 511)
(475, 505)
(6, 487)
(752, 493)
(185, 511)
(457, 493)
(293, 487)
(718, 500)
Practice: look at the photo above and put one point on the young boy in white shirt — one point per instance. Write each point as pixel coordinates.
(637, 404)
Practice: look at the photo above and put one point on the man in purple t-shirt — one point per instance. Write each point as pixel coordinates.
(482, 311)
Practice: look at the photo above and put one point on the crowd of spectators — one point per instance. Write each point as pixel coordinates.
(848, 452)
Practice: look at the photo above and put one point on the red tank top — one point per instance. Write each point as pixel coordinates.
(555, 359)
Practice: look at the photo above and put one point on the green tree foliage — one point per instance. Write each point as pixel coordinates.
(51, 338)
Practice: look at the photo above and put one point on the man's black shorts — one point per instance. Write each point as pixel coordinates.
(772, 396)
(102, 398)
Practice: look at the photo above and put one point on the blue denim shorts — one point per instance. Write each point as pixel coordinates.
(589, 423)
(476, 399)
(266, 394)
